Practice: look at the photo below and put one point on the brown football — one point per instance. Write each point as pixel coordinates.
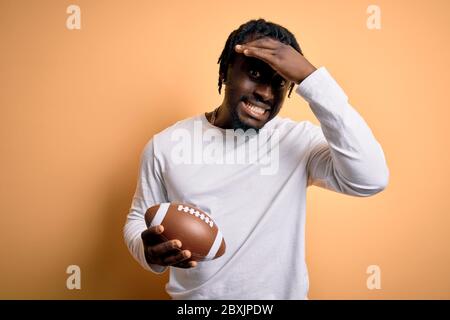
(195, 229)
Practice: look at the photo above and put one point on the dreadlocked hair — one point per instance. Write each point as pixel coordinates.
(260, 28)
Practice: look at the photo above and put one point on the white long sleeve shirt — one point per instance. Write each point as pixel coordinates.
(259, 205)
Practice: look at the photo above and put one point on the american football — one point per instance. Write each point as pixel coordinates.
(193, 227)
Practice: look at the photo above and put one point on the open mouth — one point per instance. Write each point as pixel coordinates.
(254, 111)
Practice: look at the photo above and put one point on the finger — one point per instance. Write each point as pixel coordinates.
(177, 258)
(155, 229)
(152, 235)
(165, 248)
(267, 55)
(265, 42)
(242, 47)
(186, 264)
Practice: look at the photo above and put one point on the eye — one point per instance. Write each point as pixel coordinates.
(281, 83)
(254, 73)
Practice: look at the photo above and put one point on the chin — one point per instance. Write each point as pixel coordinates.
(240, 122)
(246, 127)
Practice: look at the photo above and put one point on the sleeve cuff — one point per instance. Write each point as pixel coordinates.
(155, 268)
(320, 83)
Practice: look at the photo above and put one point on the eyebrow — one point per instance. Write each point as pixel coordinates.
(254, 62)
(257, 63)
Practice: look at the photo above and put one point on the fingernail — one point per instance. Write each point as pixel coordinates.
(193, 263)
(178, 243)
(186, 254)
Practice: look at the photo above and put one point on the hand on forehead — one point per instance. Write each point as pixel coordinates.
(256, 42)
(259, 64)
(259, 51)
(262, 42)
(283, 58)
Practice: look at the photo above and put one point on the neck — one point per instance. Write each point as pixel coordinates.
(222, 117)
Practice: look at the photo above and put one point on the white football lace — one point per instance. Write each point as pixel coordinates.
(196, 213)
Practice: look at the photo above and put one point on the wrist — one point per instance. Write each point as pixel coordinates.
(306, 74)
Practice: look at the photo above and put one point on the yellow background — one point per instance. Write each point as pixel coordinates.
(77, 108)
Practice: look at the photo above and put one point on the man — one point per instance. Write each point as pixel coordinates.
(260, 214)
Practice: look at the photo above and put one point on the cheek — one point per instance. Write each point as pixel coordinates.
(239, 88)
(279, 105)
(281, 101)
(284, 93)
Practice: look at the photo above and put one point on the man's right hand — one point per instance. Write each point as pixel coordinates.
(164, 253)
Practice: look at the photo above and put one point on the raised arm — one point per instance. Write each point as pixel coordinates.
(344, 154)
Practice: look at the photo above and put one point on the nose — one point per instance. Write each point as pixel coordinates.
(263, 92)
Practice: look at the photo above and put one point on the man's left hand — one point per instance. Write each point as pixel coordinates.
(283, 58)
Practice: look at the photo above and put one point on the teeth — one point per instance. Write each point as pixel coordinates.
(255, 109)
